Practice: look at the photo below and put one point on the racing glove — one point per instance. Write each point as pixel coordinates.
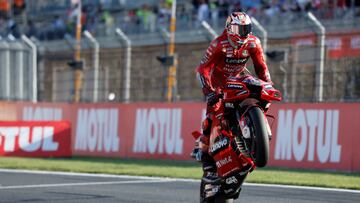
(212, 98)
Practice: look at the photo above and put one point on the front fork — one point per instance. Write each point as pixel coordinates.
(245, 130)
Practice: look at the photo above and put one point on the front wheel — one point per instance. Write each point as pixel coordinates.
(260, 136)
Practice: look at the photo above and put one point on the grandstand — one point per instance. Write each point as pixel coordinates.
(291, 46)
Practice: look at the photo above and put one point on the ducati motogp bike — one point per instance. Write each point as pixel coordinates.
(239, 138)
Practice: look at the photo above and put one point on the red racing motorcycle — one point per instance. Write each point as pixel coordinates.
(240, 134)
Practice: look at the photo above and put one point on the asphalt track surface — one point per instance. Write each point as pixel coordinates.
(27, 187)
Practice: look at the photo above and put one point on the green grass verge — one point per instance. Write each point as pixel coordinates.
(181, 169)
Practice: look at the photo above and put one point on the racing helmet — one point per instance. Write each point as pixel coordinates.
(238, 27)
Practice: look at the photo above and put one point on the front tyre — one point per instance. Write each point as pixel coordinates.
(260, 136)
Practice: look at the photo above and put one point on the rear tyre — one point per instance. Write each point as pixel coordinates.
(261, 137)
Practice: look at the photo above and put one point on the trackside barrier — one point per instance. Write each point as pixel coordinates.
(305, 135)
(35, 139)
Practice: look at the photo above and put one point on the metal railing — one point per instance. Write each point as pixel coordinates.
(18, 69)
(293, 68)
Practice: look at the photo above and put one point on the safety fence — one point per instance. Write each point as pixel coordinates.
(294, 64)
(304, 135)
(18, 70)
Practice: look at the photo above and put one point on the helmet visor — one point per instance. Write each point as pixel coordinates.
(241, 30)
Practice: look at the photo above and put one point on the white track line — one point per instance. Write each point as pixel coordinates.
(99, 175)
(81, 184)
(302, 187)
(160, 179)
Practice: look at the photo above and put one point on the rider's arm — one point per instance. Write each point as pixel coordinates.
(257, 57)
(206, 66)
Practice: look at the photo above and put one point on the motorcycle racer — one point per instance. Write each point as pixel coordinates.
(226, 57)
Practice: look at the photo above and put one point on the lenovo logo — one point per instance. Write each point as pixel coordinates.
(234, 86)
(236, 60)
(217, 146)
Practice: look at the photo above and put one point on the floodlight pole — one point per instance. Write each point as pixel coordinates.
(33, 47)
(127, 81)
(171, 82)
(320, 66)
(264, 34)
(96, 45)
(78, 75)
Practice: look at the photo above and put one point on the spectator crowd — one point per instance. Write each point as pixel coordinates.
(101, 16)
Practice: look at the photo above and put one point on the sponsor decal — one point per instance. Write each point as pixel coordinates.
(235, 60)
(229, 105)
(224, 42)
(242, 92)
(232, 69)
(28, 139)
(158, 131)
(333, 43)
(214, 44)
(355, 42)
(231, 180)
(97, 130)
(304, 42)
(235, 86)
(204, 60)
(252, 44)
(245, 53)
(218, 146)
(312, 132)
(35, 138)
(223, 162)
(41, 114)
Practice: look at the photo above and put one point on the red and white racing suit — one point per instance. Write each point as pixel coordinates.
(222, 61)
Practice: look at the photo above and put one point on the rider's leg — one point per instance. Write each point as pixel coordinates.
(210, 181)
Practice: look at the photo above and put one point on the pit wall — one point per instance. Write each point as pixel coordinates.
(305, 135)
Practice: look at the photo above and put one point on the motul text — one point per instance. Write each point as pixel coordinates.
(158, 131)
(28, 139)
(318, 135)
(97, 130)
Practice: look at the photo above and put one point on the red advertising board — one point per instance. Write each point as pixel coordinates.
(140, 130)
(312, 136)
(316, 136)
(8, 111)
(35, 139)
(338, 44)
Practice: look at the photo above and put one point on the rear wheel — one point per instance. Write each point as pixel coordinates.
(260, 136)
